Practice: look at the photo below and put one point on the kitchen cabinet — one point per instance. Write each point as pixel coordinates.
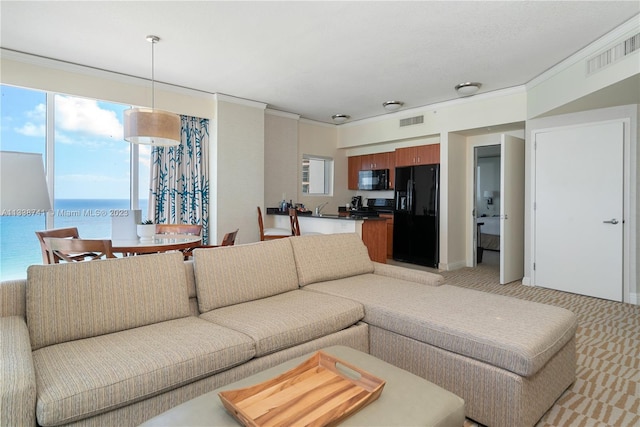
(419, 155)
(374, 236)
(370, 162)
(352, 175)
(374, 161)
(389, 218)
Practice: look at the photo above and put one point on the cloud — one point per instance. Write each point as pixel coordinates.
(36, 124)
(85, 116)
(73, 115)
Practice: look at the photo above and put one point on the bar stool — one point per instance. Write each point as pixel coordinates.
(271, 233)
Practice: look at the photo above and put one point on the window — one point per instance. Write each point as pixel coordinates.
(22, 129)
(317, 175)
(92, 177)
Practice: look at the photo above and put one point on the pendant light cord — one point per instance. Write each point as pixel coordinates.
(153, 40)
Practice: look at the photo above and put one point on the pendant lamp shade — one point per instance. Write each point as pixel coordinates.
(151, 127)
(148, 125)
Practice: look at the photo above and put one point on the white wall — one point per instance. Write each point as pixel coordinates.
(568, 82)
(488, 180)
(454, 206)
(483, 110)
(280, 157)
(319, 139)
(239, 141)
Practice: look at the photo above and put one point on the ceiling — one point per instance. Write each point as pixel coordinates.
(316, 59)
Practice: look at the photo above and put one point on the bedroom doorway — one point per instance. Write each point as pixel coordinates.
(487, 204)
(499, 205)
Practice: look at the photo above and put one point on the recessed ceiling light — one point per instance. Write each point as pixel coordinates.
(467, 88)
(392, 105)
(340, 118)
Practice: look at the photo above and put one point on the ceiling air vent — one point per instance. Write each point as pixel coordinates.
(410, 121)
(613, 54)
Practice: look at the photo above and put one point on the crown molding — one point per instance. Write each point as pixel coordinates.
(70, 67)
(218, 97)
(280, 113)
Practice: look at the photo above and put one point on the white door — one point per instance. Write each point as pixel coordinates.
(578, 208)
(511, 209)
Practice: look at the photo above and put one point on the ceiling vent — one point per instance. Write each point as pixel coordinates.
(613, 54)
(410, 121)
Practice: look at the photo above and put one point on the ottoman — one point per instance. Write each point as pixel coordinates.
(407, 400)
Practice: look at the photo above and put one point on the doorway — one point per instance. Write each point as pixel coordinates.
(498, 205)
(487, 204)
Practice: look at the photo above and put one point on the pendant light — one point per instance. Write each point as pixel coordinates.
(148, 125)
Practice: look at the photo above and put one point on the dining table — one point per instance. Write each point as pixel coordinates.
(159, 243)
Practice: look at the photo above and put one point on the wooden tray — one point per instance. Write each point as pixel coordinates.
(322, 391)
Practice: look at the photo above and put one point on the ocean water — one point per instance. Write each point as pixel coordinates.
(19, 246)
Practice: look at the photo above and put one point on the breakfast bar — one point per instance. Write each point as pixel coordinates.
(372, 230)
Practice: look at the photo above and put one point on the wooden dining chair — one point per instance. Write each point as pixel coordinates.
(295, 225)
(64, 249)
(69, 232)
(293, 219)
(193, 229)
(270, 233)
(229, 239)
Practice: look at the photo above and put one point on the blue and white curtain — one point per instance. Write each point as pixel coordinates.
(179, 192)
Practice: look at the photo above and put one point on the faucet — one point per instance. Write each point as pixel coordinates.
(319, 208)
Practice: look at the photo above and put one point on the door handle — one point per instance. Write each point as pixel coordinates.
(613, 221)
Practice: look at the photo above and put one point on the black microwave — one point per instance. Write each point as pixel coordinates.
(373, 179)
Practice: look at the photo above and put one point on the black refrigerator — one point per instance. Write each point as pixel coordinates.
(416, 214)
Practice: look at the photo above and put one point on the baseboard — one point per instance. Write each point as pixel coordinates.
(634, 299)
(526, 281)
(452, 266)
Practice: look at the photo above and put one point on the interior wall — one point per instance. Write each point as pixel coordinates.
(240, 127)
(488, 179)
(628, 113)
(454, 208)
(71, 79)
(482, 110)
(321, 140)
(568, 82)
(280, 158)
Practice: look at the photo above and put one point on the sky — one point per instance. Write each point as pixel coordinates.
(91, 156)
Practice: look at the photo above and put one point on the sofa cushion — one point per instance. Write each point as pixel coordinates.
(83, 299)
(330, 256)
(234, 274)
(81, 378)
(288, 319)
(516, 335)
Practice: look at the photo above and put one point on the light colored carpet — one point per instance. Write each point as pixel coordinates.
(607, 388)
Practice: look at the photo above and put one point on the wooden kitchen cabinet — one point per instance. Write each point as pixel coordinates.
(389, 218)
(352, 174)
(419, 155)
(374, 236)
(374, 161)
(370, 162)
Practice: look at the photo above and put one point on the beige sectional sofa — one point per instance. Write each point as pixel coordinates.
(116, 342)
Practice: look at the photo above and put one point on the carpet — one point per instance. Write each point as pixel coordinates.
(607, 389)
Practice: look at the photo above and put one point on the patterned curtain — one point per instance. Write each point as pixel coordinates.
(179, 190)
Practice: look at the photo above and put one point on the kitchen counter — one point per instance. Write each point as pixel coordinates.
(372, 230)
(329, 216)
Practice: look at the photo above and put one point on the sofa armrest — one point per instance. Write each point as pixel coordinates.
(17, 373)
(13, 298)
(408, 274)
